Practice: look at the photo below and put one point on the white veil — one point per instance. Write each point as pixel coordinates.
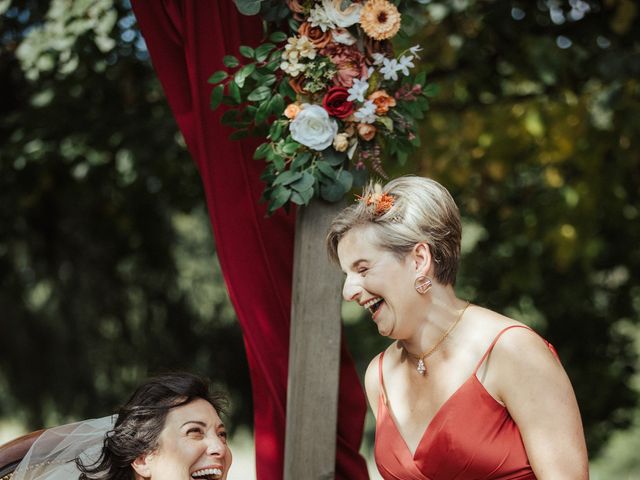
(52, 456)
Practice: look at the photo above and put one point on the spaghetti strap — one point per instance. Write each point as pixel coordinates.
(382, 390)
(493, 344)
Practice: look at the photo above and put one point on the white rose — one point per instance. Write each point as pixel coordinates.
(342, 18)
(313, 127)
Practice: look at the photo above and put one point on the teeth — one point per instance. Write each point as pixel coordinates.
(216, 472)
(372, 302)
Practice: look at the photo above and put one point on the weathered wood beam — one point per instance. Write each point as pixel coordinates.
(314, 351)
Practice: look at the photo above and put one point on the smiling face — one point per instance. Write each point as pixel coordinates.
(377, 279)
(192, 445)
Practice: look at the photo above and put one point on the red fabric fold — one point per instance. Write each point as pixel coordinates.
(187, 40)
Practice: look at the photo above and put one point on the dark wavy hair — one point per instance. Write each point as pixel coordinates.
(141, 420)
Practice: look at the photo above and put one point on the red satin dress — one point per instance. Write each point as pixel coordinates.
(471, 437)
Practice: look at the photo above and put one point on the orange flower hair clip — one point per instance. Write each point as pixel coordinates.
(382, 202)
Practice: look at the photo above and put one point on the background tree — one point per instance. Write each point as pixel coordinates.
(105, 252)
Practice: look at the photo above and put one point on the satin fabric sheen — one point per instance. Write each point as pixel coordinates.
(187, 40)
(471, 437)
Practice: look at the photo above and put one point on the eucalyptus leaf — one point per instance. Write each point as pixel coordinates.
(290, 147)
(304, 183)
(332, 157)
(300, 160)
(287, 177)
(248, 7)
(279, 196)
(326, 169)
(346, 179)
(332, 192)
(262, 151)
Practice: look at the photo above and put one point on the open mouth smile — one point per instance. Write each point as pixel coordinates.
(373, 305)
(207, 473)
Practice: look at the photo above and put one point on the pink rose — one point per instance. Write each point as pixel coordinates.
(349, 60)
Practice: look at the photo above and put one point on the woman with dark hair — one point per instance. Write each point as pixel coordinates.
(169, 429)
(463, 392)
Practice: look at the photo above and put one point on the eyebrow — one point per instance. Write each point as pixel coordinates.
(198, 422)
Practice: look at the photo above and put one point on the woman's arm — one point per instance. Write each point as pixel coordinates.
(372, 384)
(538, 394)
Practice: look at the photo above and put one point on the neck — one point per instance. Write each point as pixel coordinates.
(439, 312)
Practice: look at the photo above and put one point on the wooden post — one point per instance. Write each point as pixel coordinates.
(314, 351)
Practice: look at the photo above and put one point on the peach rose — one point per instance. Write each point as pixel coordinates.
(319, 38)
(366, 131)
(383, 101)
(292, 110)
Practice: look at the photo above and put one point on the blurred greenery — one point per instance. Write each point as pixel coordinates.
(106, 258)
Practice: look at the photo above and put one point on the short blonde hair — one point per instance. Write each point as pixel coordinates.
(422, 211)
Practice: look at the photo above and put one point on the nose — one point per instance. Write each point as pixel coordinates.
(216, 446)
(351, 290)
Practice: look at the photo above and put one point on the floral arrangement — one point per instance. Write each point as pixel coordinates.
(331, 97)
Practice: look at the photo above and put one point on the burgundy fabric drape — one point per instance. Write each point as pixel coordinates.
(187, 40)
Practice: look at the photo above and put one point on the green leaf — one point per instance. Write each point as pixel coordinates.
(239, 134)
(326, 169)
(290, 147)
(230, 61)
(248, 7)
(304, 183)
(421, 78)
(262, 113)
(242, 74)
(431, 90)
(332, 157)
(300, 161)
(262, 151)
(278, 37)
(268, 80)
(216, 96)
(230, 117)
(332, 192)
(387, 122)
(286, 91)
(287, 177)
(303, 197)
(277, 161)
(262, 52)
(276, 131)
(279, 196)
(218, 76)
(276, 104)
(234, 92)
(246, 51)
(346, 179)
(259, 94)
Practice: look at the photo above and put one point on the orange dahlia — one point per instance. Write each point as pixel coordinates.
(380, 19)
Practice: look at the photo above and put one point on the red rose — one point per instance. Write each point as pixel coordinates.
(336, 104)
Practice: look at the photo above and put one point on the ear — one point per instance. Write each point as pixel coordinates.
(421, 258)
(142, 466)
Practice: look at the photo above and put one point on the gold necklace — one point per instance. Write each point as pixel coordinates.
(422, 368)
